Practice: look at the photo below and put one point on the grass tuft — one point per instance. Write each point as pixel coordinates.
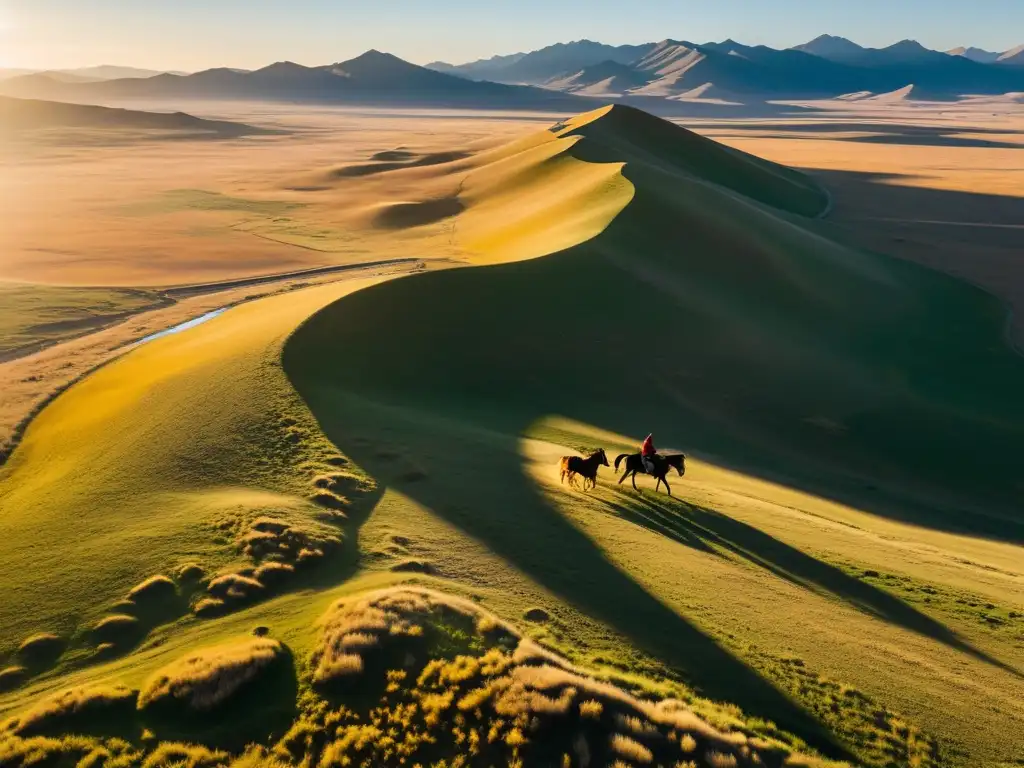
(117, 628)
(12, 677)
(209, 606)
(41, 649)
(75, 708)
(172, 755)
(206, 678)
(155, 589)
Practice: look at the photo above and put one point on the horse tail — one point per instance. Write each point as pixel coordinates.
(619, 458)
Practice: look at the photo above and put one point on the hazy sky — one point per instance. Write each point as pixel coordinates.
(196, 34)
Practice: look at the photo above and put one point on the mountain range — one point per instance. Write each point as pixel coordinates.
(663, 76)
(827, 66)
(372, 78)
(84, 74)
(28, 114)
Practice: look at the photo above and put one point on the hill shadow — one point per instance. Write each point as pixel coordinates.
(975, 236)
(473, 478)
(704, 528)
(880, 133)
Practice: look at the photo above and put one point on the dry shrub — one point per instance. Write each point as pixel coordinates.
(81, 751)
(457, 683)
(270, 539)
(103, 650)
(172, 755)
(12, 677)
(65, 709)
(234, 586)
(631, 749)
(190, 573)
(42, 648)
(209, 606)
(415, 566)
(308, 555)
(273, 573)
(536, 615)
(721, 760)
(116, 627)
(210, 676)
(154, 589)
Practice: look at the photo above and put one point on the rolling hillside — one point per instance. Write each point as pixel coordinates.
(751, 337)
(326, 527)
(31, 114)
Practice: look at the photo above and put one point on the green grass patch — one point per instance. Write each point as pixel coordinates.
(876, 734)
(176, 200)
(33, 315)
(962, 606)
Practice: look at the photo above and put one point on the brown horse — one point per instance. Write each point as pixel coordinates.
(662, 464)
(575, 465)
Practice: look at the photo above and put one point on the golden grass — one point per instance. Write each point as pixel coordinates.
(234, 586)
(209, 606)
(171, 755)
(41, 648)
(64, 710)
(152, 567)
(208, 677)
(116, 627)
(631, 749)
(12, 677)
(483, 695)
(90, 505)
(155, 588)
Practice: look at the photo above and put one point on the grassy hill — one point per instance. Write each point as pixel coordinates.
(724, 324)
(30, 114)
(734, 332)
(210, 541)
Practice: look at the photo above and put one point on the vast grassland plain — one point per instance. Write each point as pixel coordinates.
(325, 525)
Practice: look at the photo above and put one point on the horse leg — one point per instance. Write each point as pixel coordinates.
(667, 486)
(657, 485)
(624, 474)
(634, 481)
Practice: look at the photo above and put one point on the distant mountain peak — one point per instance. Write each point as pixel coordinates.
(908, 45)
(831, 47)
(283, 66)
(1013, 56)
(979, 55)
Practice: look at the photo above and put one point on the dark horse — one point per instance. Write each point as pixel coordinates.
(575, 465)
(662, 464)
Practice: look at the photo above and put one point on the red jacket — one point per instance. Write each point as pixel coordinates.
(647, 449)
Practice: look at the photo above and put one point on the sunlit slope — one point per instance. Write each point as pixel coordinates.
(722, 324)
(560, 187)
(141, 467)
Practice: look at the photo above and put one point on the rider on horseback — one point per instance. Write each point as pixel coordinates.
(647, 454)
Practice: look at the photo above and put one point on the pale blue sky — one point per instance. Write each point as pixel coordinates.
(196, 34)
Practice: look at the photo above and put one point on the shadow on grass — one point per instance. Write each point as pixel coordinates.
(902, 134)
(262, 710)
(473, 478)
(689, 523)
